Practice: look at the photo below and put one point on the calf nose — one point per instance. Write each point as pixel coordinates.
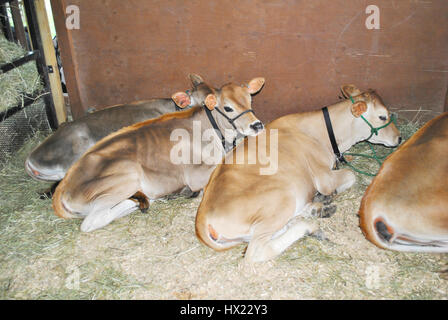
(257, 126)
(400, 139)
(31, 169)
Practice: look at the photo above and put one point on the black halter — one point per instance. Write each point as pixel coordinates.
(334, 145)
(230, 120)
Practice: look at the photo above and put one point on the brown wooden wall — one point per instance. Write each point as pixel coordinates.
(133, 50)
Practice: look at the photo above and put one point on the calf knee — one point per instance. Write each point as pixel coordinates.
(348, 180)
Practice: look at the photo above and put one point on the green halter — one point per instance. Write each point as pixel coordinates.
(373, 131)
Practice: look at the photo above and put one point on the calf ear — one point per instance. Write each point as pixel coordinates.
(195, 79)
(255, 85)
(350, 90)
(358, 108)
(181, 99)
(210, 101)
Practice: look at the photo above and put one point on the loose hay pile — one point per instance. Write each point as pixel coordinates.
(19, 81)
(157, 256)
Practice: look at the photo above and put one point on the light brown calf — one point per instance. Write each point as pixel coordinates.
(137, 159)
(405, 208)
(268, 211)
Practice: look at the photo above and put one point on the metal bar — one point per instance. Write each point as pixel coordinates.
(4, 20)
(18, 24)
(33, 27)
(26, 102)
(32, 55)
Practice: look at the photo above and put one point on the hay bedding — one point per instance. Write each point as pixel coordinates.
(157, 255)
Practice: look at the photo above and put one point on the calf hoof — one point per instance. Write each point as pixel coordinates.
(328, 211)
(324, 212)
(326, 200)
(444, 273)
(48, 194)
(143, 210)
(194, 195)
(188, 193)
(319, 235)
(142, 200)
(45, 195)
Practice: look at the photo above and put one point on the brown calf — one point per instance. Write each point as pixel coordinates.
(138, 159)
(240, 205)
(405, 208)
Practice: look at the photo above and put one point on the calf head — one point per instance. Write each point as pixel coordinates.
(50, 160)
(373, 119)
(232, 103)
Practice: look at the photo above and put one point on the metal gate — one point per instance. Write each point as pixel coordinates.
(34, 112)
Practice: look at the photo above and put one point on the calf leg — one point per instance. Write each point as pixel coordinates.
(104, 199)
(267, 246)
(48, 194)
(330, 181)
(111, 204)
(102, 217)
(268, 240)
(343, 179)
(318, 210)
(324, 199)
(142, 200)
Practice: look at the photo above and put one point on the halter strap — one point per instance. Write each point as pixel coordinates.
(375, 130)
(334, 145)
(231, 121)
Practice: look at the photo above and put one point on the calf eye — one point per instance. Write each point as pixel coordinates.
(228, 109)
(383, 118)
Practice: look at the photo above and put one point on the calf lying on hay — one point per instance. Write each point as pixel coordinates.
(157, 255)
(406, 206)
(241, 205)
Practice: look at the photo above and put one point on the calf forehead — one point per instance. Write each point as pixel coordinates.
(235, 94)
(377, 101)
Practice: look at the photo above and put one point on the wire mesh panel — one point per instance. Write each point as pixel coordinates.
(21, 126)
